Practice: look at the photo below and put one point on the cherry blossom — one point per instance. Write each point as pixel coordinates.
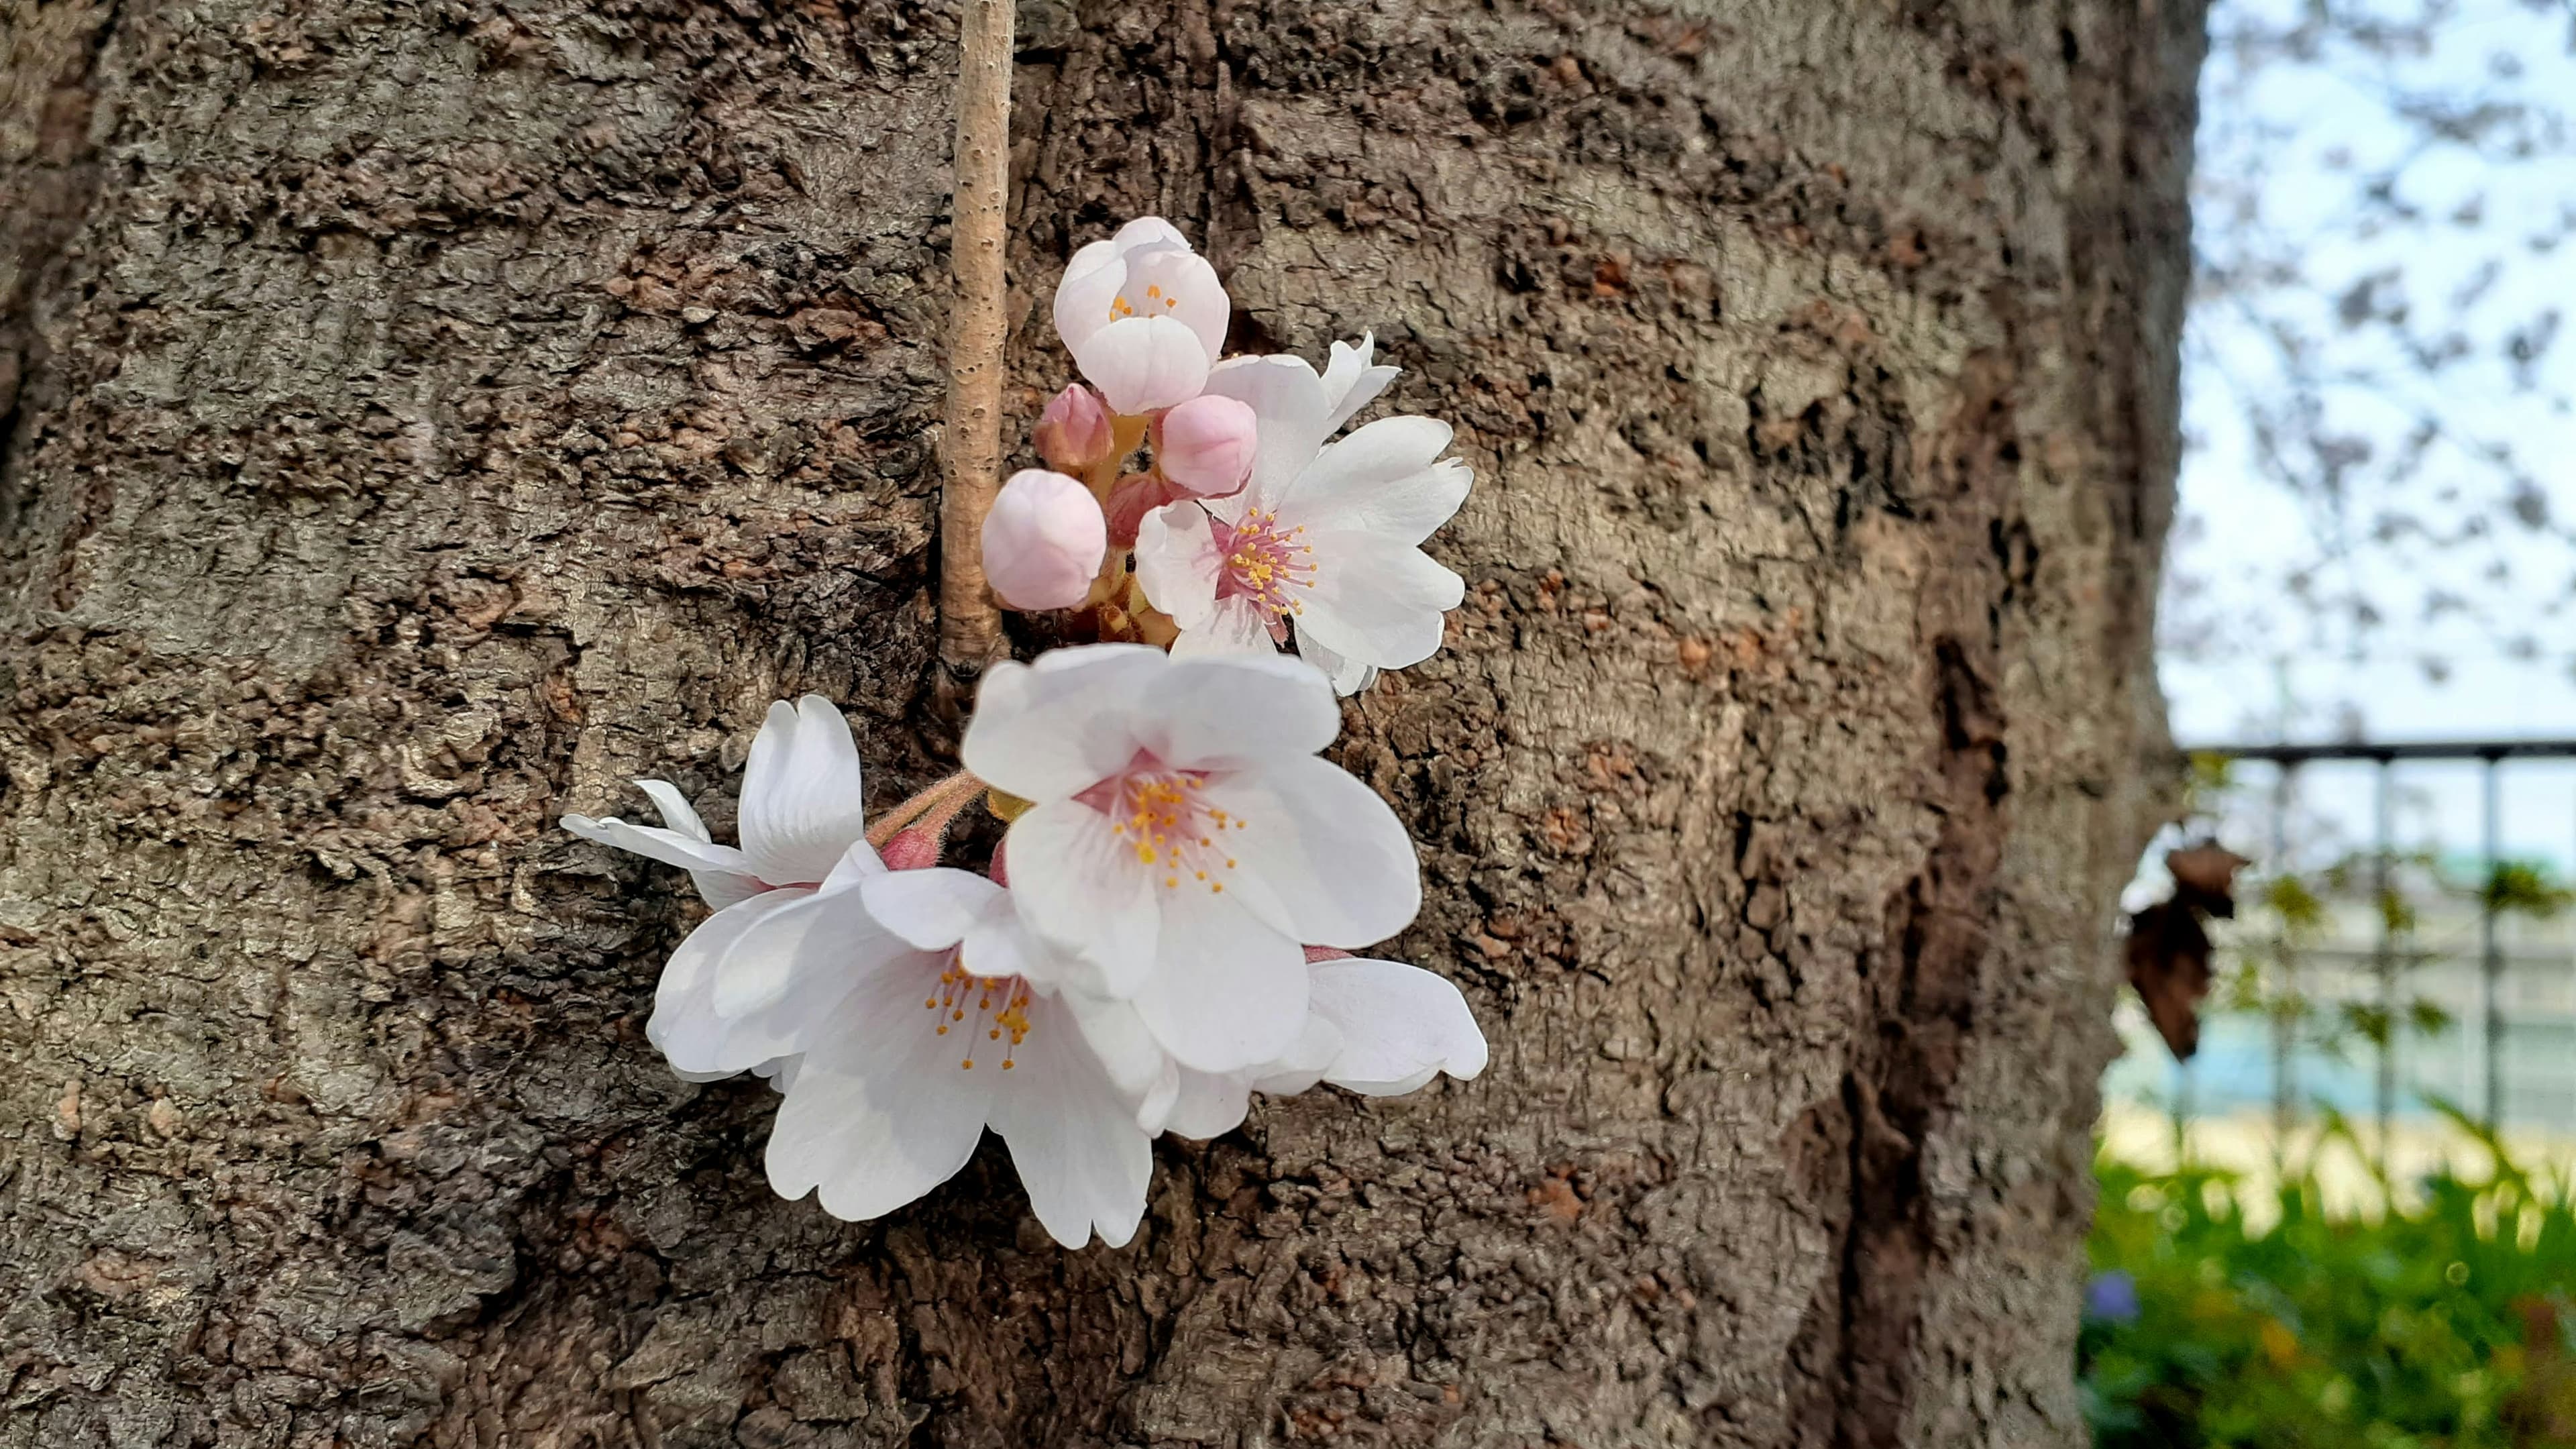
(1325, 539)
(1143, 315)
(1186, 878)
(729, 1000)
(962, 1029)
(1182, 840)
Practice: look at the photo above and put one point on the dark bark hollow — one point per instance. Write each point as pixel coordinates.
(420, 420)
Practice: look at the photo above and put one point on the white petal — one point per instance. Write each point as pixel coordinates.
(880, 1113)
(1118, 1039)
(1399, 1026)
(1155, 1107)
(1208, 1105)
(1000, 943)
(718, 887)
(1385, 450)
(1378, 600)
(820, 943)
(802, 804)
(932, 909)
(1233, 626)
(701, 1041)
(1332, 852)
(1058, 727)
(1304, 1066)
(1175, 282)
(1083, 300)
(677, 812)
(687, 846)
(1350, 383)
(1214, 712)
(1143, 363)
(1073, 1138)
(1080, 886)
(1386, 491)
(726, 867)
(1228, 992)
(1177, 562)
(1288, 402)
(1349, 676)
(1147, 231)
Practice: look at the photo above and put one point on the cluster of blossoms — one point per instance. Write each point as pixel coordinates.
(1168, 924)
(1253, 525)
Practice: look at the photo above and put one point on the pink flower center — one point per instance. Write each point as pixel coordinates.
(994, 1005)
(1263, 562)
(1164, 817)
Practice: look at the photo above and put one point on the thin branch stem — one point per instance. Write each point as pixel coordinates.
(953, 794)
(970, 626)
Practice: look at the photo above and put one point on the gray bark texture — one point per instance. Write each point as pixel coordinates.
(418, 418)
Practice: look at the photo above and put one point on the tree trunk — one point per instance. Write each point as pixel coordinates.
(419, 420)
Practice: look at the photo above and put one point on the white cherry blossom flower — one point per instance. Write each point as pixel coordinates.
(1143, 315)
(729, 999)
(1326, 537)
(1184, 840)
(959, 1030)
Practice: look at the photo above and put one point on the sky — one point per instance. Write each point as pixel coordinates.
(2289, 149)
(2416, 318)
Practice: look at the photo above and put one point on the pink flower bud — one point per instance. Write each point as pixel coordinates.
(1043, 541)
(1205, 445)
(1136, 495)
(914, 848)
(1073, 434)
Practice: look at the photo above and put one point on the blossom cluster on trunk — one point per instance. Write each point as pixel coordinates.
(1256, 522)
(1170, 921)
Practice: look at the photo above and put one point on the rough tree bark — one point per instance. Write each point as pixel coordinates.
(421, 417)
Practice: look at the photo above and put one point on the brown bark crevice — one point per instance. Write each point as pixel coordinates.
(47, 95)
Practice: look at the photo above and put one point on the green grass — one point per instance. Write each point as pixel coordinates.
(2447, 1322)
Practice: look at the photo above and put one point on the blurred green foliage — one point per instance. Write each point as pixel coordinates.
(2517, 887)
(2446, 1323)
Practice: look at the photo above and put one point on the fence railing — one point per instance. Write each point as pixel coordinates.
(2390, 957)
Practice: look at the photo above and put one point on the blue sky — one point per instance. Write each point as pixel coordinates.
(2288, 150)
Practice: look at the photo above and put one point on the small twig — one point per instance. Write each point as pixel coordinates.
(953, 793)
(970, 626)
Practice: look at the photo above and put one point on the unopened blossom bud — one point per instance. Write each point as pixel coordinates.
(1143, 315)
(1073, 434)
(1136, 495)
(1043, 541)
(1205, 445)
(913, 849)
